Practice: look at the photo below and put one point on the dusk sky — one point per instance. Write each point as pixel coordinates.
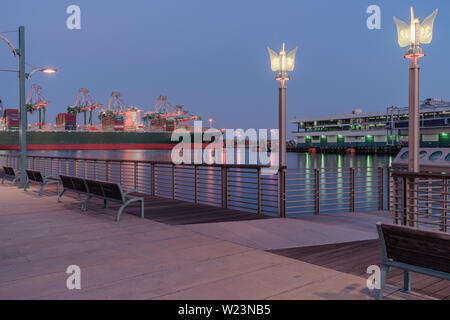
(211, 56)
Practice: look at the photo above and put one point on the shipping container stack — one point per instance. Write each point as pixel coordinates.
(66, 122)
(12, 119)
(113, 123)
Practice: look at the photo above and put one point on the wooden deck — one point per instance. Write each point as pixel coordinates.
(171, 212)
(354, 258)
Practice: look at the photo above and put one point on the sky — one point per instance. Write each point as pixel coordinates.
(211, 56)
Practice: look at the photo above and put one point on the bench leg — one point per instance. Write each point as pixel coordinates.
(106, 203)
(42, 189)
(142, 209)
(60, 195)
(84, 206)
(3, 179)
(406, 281)
(379, 292)
(126, 204)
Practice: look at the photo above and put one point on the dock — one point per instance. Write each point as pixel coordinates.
(180, 251)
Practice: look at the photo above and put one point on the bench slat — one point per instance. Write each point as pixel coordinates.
(422, 248)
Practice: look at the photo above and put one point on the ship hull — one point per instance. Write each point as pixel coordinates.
(9, 140)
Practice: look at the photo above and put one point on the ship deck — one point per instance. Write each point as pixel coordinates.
(181, 251)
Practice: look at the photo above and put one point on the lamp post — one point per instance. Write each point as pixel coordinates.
(23, 111)
(282, 63)
(413, 35)
(210, 122)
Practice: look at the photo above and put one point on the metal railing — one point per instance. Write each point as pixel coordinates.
(241, 187)
(331, 190)
(421, 200)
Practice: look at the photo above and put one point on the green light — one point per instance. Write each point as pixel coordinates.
(444, 134)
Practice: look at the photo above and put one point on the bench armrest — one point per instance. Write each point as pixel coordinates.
(50, 178)
(129, 191)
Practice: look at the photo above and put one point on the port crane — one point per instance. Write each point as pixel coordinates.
(84, 103)
(37, 102)
(115, 106)
(165, 114)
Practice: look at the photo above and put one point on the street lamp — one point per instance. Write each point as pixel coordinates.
(282, 63)
(413, 35)
(210, 122)
(23, 111)
(45, 70)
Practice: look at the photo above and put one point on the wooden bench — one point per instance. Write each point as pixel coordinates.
(410, 249)
(73, 184)
(36, 176)
(109, 191)
(11, 174)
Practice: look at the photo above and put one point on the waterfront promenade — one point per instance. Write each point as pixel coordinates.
(181, 251)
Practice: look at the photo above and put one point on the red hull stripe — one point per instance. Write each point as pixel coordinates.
(125, 146)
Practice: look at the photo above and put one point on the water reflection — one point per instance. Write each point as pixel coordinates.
(240, 155)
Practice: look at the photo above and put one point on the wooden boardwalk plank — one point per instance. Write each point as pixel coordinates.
(355, 257)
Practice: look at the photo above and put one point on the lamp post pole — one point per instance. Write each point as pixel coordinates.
(282, 62)
(414, 119)
(282, 146)
(23, 111)
(282, 122)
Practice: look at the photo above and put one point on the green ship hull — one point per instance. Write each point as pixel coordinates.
(51, 140)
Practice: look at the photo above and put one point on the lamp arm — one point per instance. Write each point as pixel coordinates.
(15, 52)
(28, 75)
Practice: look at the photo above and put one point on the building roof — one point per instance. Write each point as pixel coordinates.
(429, 105)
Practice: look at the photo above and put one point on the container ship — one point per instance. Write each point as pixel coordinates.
(373, 131)
(121, 127)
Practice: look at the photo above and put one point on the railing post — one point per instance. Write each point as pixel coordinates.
(395, 198)
(404, 201)
(352, 189)
(152, 182)
(259, 191)
(135, 175)
(120, 172)
(380, 188)
(195, 184)
(282, 193)
(224, 178)
(316, 192)
(107, 170)
(411, 212)
(444, 207)
(389, 180)
(173, 182)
